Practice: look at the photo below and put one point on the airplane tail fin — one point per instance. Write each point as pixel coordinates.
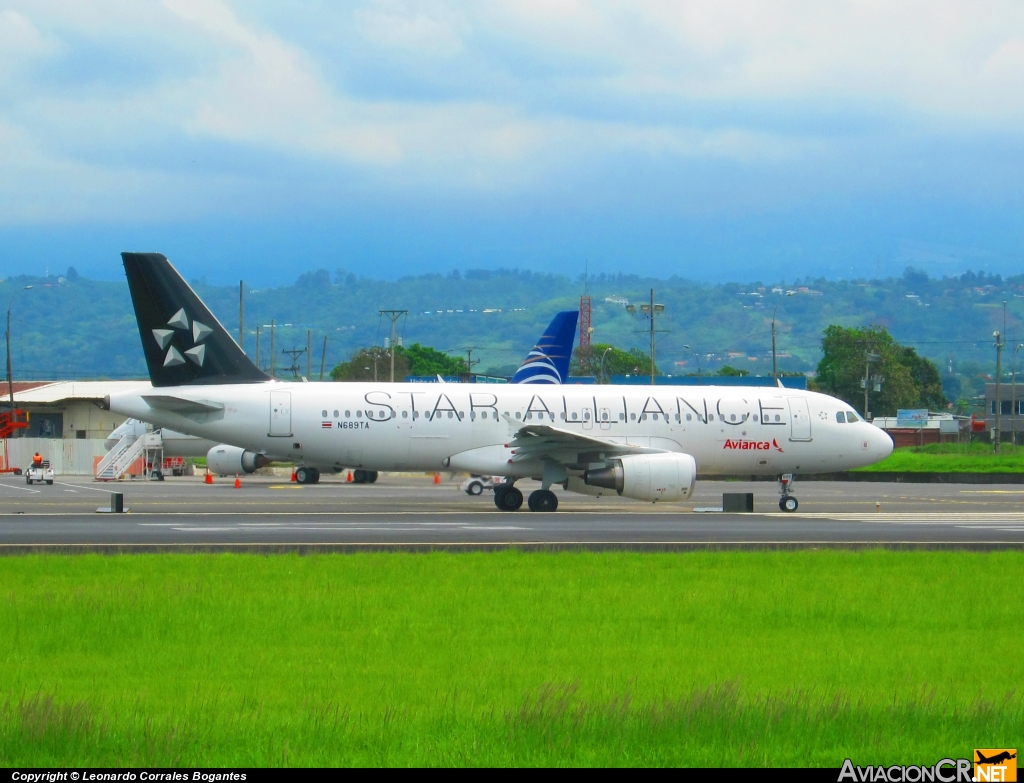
(548, 362)
(184, 344)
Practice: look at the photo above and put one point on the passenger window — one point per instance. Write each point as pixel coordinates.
(755, 417)
(689, 417)
(517, 414)
(643, 417)
(632, 417)
(622, 417)
(711, 417)
(359, 414)
(324, 414)
(405, 414)
(529, 415)
(574, 417)
(587, 415)
(348, 415)
(562, 414)
(777, 417)
(732, 417)
(841, 417)
(335, 414)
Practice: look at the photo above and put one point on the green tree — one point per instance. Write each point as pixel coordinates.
(424, 360)
(731, 372)
(603, 361)
(371, 364)
(907, 380)
(374, 364)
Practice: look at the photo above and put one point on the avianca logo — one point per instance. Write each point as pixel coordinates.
(756, 445)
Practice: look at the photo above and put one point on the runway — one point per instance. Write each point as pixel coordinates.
(412, 512)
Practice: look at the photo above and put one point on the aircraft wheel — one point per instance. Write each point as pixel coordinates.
(476, 488)
(359, 476)
(788, 503)
(499, 492)
(303, 476)
(315, 477)
(509, 500)
(543, 500)
(371, 476)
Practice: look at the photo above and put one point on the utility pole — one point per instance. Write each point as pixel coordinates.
(10, 376)
(998, 402)
(323, 358)
(469, 358)
(1013, 399)
(273, 356)
(652, 310)
(394, 315)
(309, 354)
(775, 365)
(295, 353)
(241, 315)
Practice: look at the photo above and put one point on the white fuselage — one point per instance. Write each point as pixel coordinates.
(428, 427)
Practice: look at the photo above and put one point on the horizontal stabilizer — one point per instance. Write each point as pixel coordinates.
(180, 404)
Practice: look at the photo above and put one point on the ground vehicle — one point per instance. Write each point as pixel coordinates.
(40, 472)
(475, 485)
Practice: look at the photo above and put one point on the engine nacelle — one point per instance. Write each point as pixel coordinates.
(225, 460)
(647, 476)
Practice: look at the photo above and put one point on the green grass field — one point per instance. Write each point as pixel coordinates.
(708, 658)
(953, 458)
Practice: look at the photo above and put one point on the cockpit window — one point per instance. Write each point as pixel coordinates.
(841, 417)
(851, 417)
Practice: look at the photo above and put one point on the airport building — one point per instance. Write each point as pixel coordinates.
(66, 423)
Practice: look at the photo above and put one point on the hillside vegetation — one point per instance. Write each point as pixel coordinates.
(85, 328)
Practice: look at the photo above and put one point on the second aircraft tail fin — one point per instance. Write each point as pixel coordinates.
(548, 362)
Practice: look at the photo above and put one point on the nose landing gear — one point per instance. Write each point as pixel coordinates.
(787, 502)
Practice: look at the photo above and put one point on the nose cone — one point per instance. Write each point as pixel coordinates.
(883, 444)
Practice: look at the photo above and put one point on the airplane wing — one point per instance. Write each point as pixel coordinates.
(536, 441)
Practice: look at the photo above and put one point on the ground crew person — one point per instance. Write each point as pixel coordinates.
(37, 460)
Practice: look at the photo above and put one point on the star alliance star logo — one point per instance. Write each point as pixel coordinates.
(200, 332)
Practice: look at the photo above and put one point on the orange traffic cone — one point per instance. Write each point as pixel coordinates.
(209, 477)
(437, 478)
(349, 479)
(293, 476)
(238, 482)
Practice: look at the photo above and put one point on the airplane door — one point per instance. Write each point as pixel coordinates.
(588, 419)
(800, 419)
(280, 415)
(605, 418)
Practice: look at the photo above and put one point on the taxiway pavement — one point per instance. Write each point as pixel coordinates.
(412, 511)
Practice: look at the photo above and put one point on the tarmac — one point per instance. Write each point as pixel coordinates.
(411, 512)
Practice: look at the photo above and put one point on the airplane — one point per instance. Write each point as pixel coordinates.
(996, 759)
(639, 442)
(547, 362)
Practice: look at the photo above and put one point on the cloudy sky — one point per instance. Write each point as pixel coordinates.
(713, 140)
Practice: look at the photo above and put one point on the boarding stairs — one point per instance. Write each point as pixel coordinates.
(116, 464)
(10, 422)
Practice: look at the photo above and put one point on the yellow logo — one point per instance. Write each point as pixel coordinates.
(995, 764)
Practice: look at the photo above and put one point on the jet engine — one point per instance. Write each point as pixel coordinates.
(225, 460)
(647, 476)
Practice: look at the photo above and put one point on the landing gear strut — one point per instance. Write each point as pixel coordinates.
(787, 502)
(507, 497)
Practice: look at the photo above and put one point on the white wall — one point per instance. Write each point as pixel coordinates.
(67, 457)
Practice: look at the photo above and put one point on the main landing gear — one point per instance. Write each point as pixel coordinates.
(306, 475)
(787, 502)
(508, 498)
(364, 476)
